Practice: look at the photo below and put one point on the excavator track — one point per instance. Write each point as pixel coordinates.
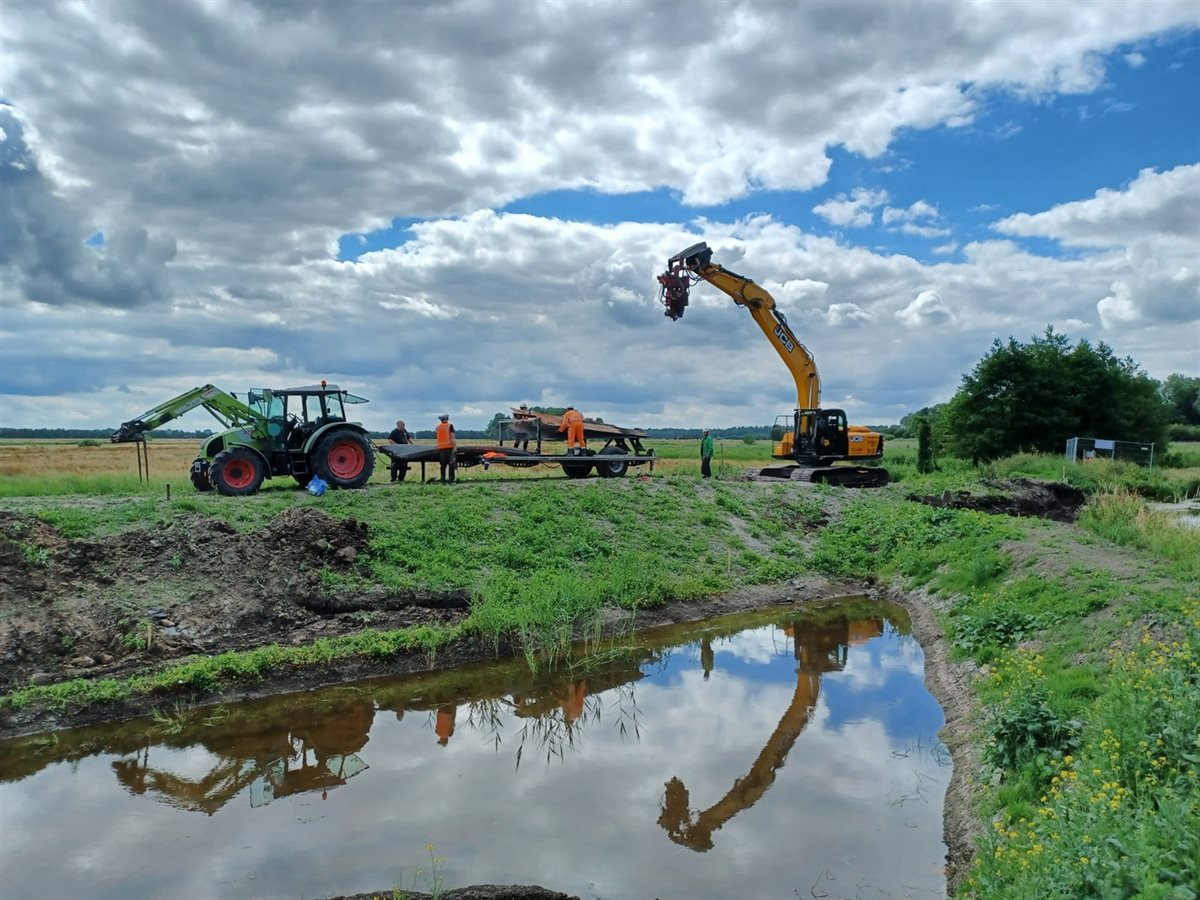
(839, 476)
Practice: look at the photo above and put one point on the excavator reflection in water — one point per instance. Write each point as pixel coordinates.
(818, 648)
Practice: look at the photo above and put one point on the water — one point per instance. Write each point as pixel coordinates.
(751, 756)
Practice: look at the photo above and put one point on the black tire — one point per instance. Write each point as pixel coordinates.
(580, 469)
(344, 459)
(615, 468)
(199, 475)
(237, 472)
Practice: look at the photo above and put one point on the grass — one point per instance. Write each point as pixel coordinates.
(1090, 636)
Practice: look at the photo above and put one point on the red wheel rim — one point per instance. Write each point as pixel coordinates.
(346, 459)
(239, 474)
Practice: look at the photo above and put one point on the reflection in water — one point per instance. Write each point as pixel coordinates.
(818, 649)
(609, 728)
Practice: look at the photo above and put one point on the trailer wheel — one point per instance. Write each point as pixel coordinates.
(344, 459)
(236, 472)
(611, 468)
(199, 475)
(577, 469)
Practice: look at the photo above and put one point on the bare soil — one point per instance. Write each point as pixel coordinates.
(118, 605)
(1015, 497)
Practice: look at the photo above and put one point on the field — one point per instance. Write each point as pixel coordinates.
(1065, 654)
(32, 468)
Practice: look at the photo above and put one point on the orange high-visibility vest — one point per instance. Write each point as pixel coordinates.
(445, 439)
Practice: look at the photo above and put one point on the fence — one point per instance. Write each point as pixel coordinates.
(1084, 449)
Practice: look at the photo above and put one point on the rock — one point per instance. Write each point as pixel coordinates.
(323, 545)
(41, 678)
(104, 658)
(166, 623)
(82, 662)
(346, 555)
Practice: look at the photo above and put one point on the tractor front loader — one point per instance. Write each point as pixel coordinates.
(297, 432)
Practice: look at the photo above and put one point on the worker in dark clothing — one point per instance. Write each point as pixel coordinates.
(523, 425)
(706, 455)
(400, 435)
(446, 442)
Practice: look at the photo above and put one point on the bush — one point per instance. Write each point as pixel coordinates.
(748, 439)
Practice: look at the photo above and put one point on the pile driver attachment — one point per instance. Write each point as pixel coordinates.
(679, 277)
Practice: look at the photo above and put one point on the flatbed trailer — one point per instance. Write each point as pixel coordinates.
(622, 448)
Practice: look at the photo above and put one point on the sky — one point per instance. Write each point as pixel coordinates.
(461, 206)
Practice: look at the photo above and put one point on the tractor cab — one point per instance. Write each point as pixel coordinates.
(293, 414)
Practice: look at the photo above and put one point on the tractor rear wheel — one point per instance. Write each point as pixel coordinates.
(344, 459)
(236, 472)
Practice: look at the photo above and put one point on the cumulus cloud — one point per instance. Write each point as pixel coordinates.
(1164, 204)
(856, 210)
(43, 249)
(926, 309)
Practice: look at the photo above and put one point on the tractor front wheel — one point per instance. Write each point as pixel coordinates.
(236, 472)
(344, 459)
(199, 475)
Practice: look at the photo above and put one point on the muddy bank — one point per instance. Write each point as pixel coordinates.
(1014, 497)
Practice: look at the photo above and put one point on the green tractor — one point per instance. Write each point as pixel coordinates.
(298, 432)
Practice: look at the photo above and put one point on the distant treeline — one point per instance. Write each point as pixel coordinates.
(70, 434)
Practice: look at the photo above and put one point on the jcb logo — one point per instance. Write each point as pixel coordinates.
(784, 339)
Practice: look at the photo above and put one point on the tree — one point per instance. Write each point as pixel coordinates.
(1035, 396)
(1182, 396)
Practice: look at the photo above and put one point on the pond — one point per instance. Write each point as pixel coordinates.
(791, 751)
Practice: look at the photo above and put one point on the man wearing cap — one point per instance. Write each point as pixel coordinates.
(522, 427)
(400, 435)
(706, 454)
(446, 442)
(572, 424)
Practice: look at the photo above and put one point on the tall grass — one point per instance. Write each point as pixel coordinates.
(1124, 518)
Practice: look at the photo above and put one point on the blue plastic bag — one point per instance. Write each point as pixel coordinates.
(317, 486)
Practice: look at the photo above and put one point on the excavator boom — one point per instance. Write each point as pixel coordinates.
(813, 436)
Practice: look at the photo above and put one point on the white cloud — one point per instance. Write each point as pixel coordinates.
(1155, 204)
(855, 211)
(1118, 308)
(926, 309)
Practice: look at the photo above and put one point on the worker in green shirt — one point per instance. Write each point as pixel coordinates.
(706, 454)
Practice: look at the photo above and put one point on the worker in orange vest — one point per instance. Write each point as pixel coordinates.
(444, 724)
(572, 424)
(446, 442)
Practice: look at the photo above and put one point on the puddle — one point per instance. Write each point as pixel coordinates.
(768, 755)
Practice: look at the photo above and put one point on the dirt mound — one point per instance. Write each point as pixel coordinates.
(112, 605)
(1015, 497)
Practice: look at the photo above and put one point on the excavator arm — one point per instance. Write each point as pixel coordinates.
(225, 408)
(695, 263)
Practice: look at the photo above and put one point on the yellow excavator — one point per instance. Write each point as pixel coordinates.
(812, 438)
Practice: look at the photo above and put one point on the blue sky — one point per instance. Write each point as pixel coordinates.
(249, 195)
